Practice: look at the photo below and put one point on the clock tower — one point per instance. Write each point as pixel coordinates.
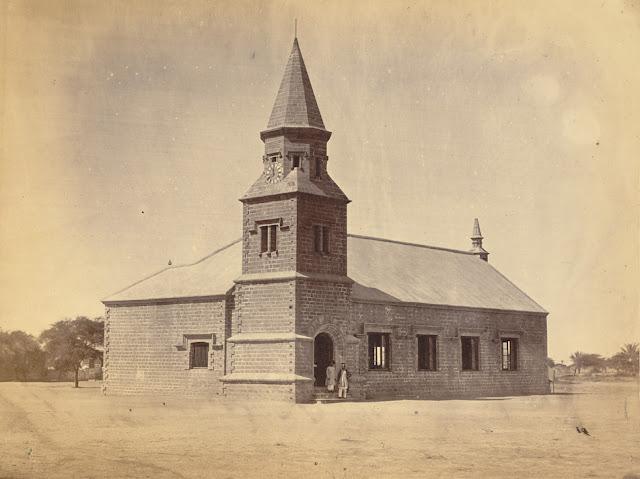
(294, 285)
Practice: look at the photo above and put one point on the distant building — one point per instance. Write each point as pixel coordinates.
(264, 316)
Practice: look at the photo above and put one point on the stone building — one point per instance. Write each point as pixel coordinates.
(263, 316)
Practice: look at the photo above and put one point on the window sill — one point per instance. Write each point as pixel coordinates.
(382, 370)
(268, 254)
(470, 370)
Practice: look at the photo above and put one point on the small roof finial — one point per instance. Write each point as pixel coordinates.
(476, 229)
(295, 28)
(476, 242)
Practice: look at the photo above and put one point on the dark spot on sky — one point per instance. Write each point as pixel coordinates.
(597, 143)
(253, 55)
(142, 212)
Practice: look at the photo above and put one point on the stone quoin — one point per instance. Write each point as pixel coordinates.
(262, 318)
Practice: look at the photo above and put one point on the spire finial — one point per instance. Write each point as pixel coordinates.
(295, 103)
(476, 229)
(476, 241)
(295, 28)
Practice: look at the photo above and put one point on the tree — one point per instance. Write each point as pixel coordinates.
(69, 342)
(594, 361)
(576, 361)
(20, 356)
(581, 360)
(626, 361)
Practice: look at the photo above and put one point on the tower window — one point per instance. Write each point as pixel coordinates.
(295, 162)
(318, 168)
(427, 353)
(199, 355)
(321, 238)
(268, 238)
(509, 354)
(470, 353)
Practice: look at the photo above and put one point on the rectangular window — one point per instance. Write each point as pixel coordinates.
(318, 168)
(268, 238)
(273, 238)
(427, 353)
(509, 354)
(264, 239)
(295, 162)
(199, 355)
(379, 351)
(470, 353)
(321, 239)
(325, 239)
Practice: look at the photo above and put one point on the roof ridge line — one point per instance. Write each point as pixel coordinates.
(173, 267)
(406, 243)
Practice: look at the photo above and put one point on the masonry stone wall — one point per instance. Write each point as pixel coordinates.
(269, 357)
(265, 307)
(281, 210)
(147, 348)
(314, 210)
(262, 308)
(321, 307)
(403, 379)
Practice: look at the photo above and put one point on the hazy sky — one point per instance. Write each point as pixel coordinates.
(130, 129)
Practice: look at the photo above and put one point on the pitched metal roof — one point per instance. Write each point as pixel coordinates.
(394, 271)
(213, 275)
(295, 103)
(383, 271)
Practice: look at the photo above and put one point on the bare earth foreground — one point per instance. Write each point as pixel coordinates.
(50, 430)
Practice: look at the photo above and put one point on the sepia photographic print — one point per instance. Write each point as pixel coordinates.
(332, 239)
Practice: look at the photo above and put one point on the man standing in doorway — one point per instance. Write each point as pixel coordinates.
(343, 381)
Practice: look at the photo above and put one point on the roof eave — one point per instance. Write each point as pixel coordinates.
(312, 132)
(248, 197)
(172, 300)
(449, 307)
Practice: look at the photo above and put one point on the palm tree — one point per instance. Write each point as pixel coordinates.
(627, 360)
(577, 360)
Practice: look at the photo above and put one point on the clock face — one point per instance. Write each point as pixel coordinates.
(273, 172)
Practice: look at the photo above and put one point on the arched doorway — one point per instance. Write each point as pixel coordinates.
(322, 357)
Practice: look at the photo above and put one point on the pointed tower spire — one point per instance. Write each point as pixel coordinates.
(295, 104)
(476, 242)
(295, 141)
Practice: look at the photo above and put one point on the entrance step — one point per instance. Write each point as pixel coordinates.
(322, 396)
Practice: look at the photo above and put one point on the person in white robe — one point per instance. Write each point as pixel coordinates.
(330, 381)
(343, 381)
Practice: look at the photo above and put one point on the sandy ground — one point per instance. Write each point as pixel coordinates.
(53, 431)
